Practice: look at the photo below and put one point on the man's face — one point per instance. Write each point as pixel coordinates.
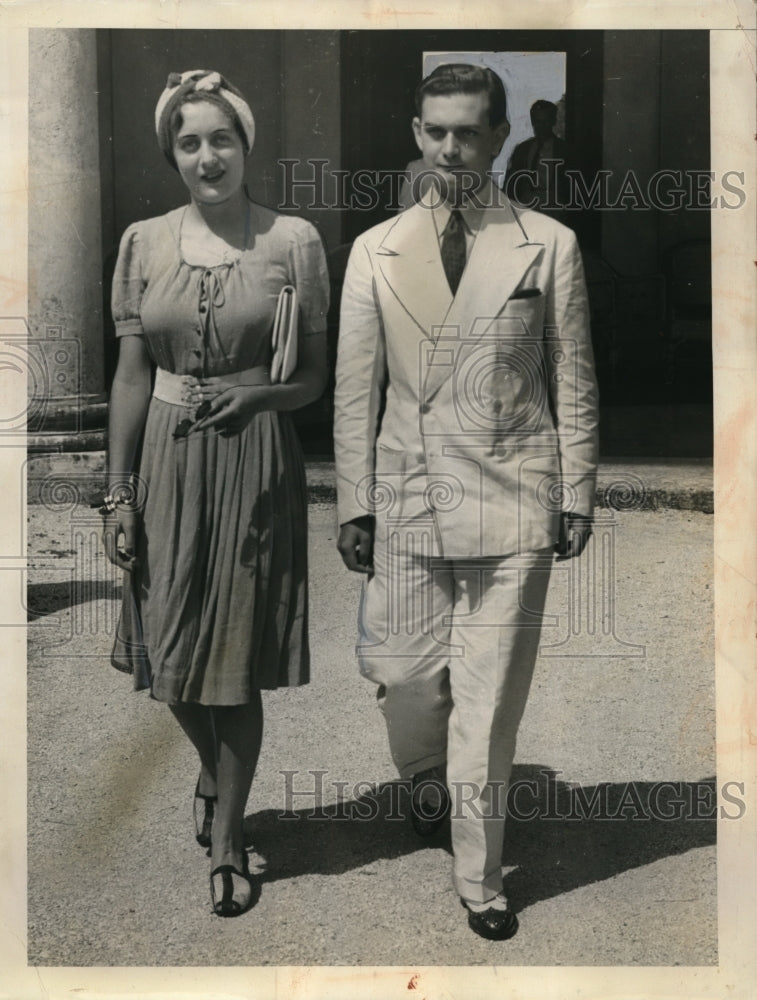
(456, 139)
(542, 122)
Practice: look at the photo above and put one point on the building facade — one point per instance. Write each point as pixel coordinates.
(333, 111)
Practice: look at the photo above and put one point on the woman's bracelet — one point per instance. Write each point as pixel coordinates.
(110, 503)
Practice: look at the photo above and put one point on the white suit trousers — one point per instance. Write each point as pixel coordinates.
(452, 645)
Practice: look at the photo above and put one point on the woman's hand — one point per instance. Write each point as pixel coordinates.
(230, 402)
(227, 403)
(232, 409)
(125, 522)
(198, 391)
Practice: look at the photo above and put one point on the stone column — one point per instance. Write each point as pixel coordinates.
(67, 411)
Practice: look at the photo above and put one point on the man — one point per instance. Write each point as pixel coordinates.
(536, 171)
(465, 414)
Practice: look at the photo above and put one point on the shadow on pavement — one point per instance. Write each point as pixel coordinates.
(46, 598)
(584, 834)
(338, 838)
(559, 837)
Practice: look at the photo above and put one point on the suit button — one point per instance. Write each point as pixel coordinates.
(425, 408)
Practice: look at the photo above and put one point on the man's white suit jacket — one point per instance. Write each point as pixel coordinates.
(491, 394)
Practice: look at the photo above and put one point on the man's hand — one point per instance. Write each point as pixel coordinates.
(356, 544)
(575, 530)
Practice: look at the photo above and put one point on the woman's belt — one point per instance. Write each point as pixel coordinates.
(172, 388)
(176, 389)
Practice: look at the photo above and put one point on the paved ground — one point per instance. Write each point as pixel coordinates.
(115, 877)
(623, 483)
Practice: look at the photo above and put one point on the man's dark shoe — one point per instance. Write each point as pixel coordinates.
(429, 802)
(494, 924)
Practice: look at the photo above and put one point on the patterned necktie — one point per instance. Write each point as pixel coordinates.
(453, 249)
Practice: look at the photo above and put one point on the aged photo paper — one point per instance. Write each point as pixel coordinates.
(724, 961)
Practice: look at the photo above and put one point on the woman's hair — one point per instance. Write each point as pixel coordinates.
(465, 78)
(200, 85)
(176, 119)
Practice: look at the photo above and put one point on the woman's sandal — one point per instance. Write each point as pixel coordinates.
(203, 818)
(227, 905)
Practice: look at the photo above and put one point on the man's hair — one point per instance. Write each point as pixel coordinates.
(464, 78)
(545, 106)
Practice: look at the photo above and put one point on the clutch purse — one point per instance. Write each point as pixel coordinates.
(284, 338)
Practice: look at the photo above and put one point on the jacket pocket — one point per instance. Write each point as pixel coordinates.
(522, 316)
(390, 460)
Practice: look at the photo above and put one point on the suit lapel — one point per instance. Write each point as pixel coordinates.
(410, 262)
(501, 255)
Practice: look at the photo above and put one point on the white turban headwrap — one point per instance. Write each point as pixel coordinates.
(196, 81)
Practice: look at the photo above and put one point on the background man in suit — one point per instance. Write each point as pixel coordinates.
(536, 171)
(466, 448)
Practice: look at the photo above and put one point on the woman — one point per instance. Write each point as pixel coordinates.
(213, 529)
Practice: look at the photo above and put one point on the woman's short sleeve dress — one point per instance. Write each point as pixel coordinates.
(218, 608)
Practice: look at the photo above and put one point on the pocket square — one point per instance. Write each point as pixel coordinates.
(526, 293)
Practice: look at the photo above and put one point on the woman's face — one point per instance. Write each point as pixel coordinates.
(209, 153)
